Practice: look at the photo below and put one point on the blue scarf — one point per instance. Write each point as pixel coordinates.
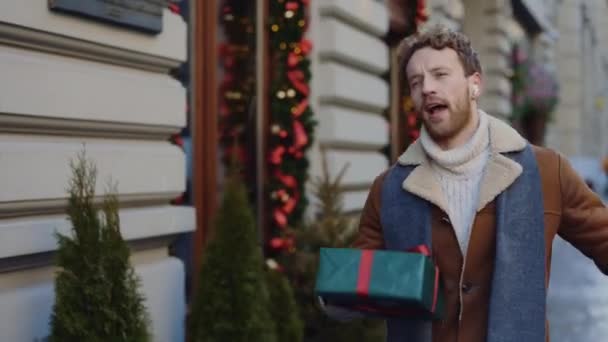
(517, 300)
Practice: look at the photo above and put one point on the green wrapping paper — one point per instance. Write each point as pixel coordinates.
(381, 282)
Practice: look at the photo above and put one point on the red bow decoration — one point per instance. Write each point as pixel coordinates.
(282, 243)
(421, 15)
(292, 5)
(412, 120)
(178, 140)
(290, 205)
(174, 8)
(292, 59)
(276, 156)
(287, 180)
(296, 77)
(280, 218)
(305, 46)
(300, 108)
(300, 137)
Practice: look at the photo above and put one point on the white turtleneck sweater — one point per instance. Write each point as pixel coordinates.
(459, 171)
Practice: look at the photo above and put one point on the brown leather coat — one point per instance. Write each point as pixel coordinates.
(572, 210)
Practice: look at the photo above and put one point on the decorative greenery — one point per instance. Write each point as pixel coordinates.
(331, 228)
(534, 88)
(231, 303)
(283, 306)
(96, 295)
(237, 88)
(291, 119)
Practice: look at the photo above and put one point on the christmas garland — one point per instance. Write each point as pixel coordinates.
(291, 119)
(535, 88)
(412, 119)
(237, 87)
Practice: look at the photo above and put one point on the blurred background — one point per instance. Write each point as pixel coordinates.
(304, 94)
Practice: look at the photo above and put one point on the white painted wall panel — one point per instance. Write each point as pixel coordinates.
(345, 43)
(53, 86)
(368, 15)
(26, 313)
(340, 126)
(343, 85)
(163, 285)
(171, 43)
(354, 201)
(37, 167)
(26, 310)
(363, 166)
(35, 234)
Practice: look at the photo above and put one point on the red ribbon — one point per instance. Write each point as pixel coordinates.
(276, 155)
(290, 205)
(292, 59)
(305, 46)
(292, 5)
(300, 108)
(296, 77)
(287, 180)
(300, 138)
(364, 278)
(424, 250)
(280, 218)
(365, 272)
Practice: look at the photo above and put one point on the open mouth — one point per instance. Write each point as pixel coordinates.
(434, 108)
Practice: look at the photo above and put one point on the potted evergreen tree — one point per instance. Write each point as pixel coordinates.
(231, 303)
(96, 289)
(330, 228)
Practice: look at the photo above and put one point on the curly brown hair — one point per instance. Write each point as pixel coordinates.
(439, 37)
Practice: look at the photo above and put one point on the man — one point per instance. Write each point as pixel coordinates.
(487, 202)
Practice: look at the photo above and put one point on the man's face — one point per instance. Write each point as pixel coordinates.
(441, 91)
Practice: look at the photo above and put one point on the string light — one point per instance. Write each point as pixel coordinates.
(274, 28)
(233, 95)
(281, 94)
(301, 23)
(283, 46)
(291, 93)
(289, 14)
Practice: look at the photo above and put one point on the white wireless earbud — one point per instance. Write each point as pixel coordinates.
(475, 91)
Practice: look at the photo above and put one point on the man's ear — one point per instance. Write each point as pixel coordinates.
(475, 85)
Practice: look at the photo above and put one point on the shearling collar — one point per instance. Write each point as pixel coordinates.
(503, 139)
(500, 171)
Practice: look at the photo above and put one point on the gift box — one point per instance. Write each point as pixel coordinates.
(381, 282)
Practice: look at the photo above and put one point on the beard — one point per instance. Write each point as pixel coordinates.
(459, 117)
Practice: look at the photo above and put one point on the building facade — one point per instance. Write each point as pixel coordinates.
(67, 81)
(70, 83)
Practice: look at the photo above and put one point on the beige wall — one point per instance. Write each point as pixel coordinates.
(581, 119)
(348, 92)
(66, 81)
